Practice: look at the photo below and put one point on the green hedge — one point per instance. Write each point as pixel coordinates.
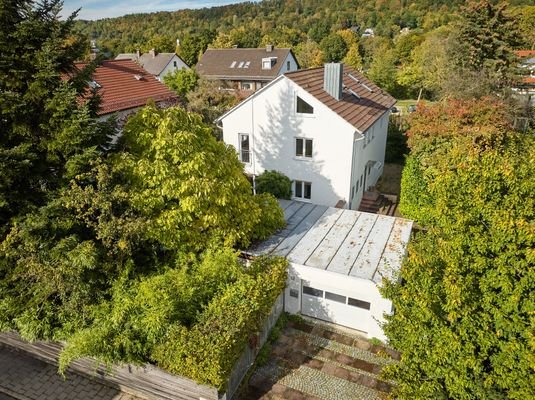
(193, 321)
(207, 352)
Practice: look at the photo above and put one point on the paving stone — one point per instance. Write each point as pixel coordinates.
(27, 378)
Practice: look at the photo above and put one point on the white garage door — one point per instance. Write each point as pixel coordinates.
(328, 305)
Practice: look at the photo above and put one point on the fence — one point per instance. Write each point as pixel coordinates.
(249, 354)
(148, 381)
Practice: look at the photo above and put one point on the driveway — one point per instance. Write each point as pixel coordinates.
(23, 377)
(316, 361)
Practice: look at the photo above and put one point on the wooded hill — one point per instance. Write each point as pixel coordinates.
(284, 22)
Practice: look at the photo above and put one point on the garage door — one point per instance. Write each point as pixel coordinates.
(328, 305)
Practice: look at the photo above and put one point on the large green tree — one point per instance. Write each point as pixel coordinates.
(464, 310)
(170, 192)
(488, 36)
(47, 135)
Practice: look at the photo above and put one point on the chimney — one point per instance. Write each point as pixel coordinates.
(269, 48)
(332, 79)
(152, 52)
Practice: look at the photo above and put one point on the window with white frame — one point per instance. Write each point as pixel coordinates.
(303, 147)
(245, 150)
(302, 107)
(303, 190)
(288, 65)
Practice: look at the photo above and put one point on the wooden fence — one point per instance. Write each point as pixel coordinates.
(148, 381)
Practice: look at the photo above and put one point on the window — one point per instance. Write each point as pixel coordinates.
(358, 303)
(174, 64)
(303, 147)
(246, 86)
(361, 180)
(335, 297)
(303, 107)
(288, 65)
(294, 293)
(266, 63)
(303, 190)
(312, 292)
(244, 148)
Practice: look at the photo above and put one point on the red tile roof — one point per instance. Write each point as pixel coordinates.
(362, 111)
(525, 53)
(125, 85)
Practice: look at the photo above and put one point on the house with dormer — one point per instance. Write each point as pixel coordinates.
(325, 128)
(124, 87)
(246, 69)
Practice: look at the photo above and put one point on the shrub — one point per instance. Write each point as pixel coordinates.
(276, 183)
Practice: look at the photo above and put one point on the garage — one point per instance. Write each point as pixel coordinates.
(323, 303)
(337, 261)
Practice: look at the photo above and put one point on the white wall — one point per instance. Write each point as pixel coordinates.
(360, 289)
(293, 64)
(169, 68)
(273, 126)
(368, 150)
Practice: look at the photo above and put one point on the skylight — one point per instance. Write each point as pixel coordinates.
(241, 64)
(233, 64)
(247, 64)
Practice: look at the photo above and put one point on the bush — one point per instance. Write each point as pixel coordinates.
(276, 183)
(192, 321)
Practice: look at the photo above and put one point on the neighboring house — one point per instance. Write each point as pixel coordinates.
(246, 69)
(325, 128)
(527, 66)
(337, 261)
(124, 87)
(157, 64)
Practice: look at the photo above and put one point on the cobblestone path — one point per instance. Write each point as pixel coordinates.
(23, 377)
(317, 362)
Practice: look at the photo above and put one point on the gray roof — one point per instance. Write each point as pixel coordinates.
(154, 65)
(348, 242)
(228, 64)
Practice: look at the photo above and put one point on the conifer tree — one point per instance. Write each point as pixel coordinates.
(46, 131)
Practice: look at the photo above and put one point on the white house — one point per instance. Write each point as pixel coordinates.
(156, 64)
(325, 128)
(246, 69)
(337, 262)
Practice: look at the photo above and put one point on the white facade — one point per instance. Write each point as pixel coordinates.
(367, 321)
(340, 154)
(176, 63)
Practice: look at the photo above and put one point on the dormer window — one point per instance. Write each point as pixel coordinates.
(266, 63)
(302, 107)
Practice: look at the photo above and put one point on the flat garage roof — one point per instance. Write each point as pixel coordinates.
(348, 242)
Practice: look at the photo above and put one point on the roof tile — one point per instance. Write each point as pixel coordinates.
(120, 89)
(360, 112)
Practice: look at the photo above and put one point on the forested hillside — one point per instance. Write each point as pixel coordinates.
(283, 21)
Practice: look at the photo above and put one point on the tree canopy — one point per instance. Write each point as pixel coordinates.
(464, 320)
